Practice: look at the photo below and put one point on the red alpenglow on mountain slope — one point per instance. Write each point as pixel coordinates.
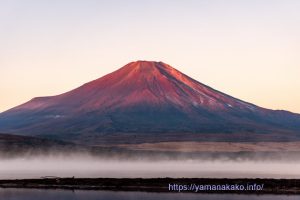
(145, 97)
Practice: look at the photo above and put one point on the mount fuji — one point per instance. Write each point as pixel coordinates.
(147, 101)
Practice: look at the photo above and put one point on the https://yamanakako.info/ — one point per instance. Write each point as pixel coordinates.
(211, 187)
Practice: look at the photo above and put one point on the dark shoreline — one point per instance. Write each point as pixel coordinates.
(270, 186)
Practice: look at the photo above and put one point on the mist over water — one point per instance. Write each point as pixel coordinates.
(88, 166)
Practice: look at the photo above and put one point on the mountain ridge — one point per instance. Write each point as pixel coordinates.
(144, 97)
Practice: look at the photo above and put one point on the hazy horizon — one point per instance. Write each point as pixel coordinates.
(247, 49)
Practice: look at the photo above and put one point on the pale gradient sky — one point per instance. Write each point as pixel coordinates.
(247, 49)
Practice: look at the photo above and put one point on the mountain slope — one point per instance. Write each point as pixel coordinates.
(14, 145)
(144, 97)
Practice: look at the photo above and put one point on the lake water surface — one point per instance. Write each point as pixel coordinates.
(42, 194)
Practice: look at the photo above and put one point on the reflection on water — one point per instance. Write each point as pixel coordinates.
(37, 194)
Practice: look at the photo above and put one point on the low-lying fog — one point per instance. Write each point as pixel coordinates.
(93, 167)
